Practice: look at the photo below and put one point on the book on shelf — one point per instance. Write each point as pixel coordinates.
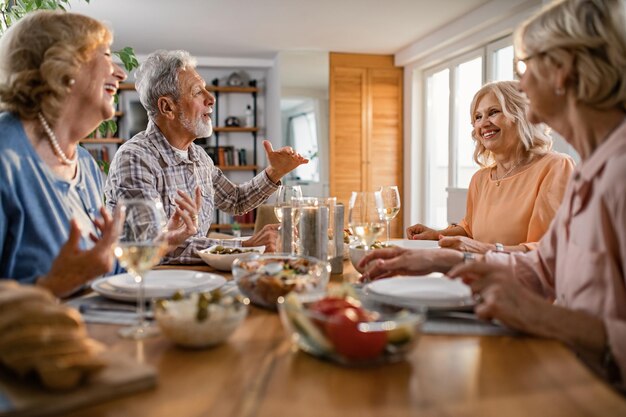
(99, 153)
(227, 218)
(227, 155)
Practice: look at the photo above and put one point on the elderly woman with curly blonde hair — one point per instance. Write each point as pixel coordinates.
(57, 84)
(513, 198)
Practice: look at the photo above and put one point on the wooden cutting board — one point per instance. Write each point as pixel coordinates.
(26, 398)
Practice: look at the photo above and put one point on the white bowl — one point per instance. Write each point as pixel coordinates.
(356, 254)
(179, 320)
(223, 262)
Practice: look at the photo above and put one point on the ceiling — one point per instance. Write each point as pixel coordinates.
(262, 28)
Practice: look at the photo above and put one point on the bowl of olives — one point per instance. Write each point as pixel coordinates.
(200, 320)
(358, 251)
(222, 257)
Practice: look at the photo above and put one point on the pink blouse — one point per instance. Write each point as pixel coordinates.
(581, 261)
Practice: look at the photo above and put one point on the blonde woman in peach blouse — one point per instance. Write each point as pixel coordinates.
(513, 198)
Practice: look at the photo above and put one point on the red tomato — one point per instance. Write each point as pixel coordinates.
(348, 341)
(329, 305)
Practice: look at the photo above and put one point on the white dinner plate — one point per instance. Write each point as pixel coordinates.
(425, 291)
(416, 244)
(157, 284)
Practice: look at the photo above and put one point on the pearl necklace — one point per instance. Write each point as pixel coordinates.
(506, 174)
(55, 143)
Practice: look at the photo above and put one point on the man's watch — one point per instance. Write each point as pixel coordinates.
(499, 247)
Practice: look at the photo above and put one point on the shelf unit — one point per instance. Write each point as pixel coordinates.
(220, 91)
(108, 145)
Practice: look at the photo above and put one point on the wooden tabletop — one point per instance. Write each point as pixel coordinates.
(257, 373)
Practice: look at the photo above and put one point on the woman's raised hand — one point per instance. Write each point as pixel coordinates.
(74, 267)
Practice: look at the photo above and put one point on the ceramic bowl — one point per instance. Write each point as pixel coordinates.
(199, 321)
(358, 251)
(218, 256)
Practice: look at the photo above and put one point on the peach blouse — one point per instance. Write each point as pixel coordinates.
(518, 210)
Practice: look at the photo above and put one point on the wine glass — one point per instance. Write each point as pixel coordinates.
(391, 205)
(364, 218)
(283, 198)
(138, 249)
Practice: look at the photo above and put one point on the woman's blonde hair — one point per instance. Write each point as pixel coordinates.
(594, 33)
(534, 139)
(40, 55)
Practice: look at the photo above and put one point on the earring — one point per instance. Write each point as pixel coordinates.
(559, 91)
(71, 82)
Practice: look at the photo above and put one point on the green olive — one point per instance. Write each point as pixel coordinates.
(178, 295)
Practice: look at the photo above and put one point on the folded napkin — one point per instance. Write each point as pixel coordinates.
(97, 309)
(461, 323)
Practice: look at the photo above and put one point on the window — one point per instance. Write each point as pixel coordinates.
(302, 135)
(449, 148)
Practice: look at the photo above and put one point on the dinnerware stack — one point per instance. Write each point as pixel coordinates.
(158, 284)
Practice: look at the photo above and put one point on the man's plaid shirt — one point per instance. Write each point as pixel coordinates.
(147, 167)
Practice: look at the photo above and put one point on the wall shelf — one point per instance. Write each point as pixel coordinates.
(227, 89)
(237, 167)
(236, 129)
(230, 226)
(103, 141)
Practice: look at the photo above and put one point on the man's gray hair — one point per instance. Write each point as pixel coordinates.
(157, 77)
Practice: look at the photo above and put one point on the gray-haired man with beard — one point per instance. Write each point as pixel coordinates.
(162, 163)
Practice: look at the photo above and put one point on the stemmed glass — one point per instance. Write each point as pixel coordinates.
(138, 249)
(283, 198)
(364, 218)
(391, 206)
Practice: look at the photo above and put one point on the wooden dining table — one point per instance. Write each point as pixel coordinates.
(257, 372)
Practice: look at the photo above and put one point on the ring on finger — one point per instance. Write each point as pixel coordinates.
(478, 298)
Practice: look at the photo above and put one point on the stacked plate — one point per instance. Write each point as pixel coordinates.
(416, 244)
(157, 284)
(432, 291)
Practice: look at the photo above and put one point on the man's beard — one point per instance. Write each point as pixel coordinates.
(198, 127)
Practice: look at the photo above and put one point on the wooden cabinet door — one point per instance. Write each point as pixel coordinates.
(348, 169)
(366, 140)
(384, 142)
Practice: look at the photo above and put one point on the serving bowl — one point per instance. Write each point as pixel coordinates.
(200, 320)
(221, 257)
(342, 330)
(358, 251)
(265, 278)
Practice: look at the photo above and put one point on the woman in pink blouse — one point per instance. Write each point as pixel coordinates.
(514, 197)
(571, 60)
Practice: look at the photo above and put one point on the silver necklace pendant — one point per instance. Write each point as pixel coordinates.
(54, 143)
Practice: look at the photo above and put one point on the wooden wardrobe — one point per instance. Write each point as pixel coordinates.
(365, 106)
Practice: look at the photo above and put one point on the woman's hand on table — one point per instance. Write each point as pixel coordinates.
(74, 266)
(421, 232)
(464, 244)
(501, 297)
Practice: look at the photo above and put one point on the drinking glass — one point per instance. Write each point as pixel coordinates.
(364, 218)
(283, 198)
(138, 249)
(391, 206)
